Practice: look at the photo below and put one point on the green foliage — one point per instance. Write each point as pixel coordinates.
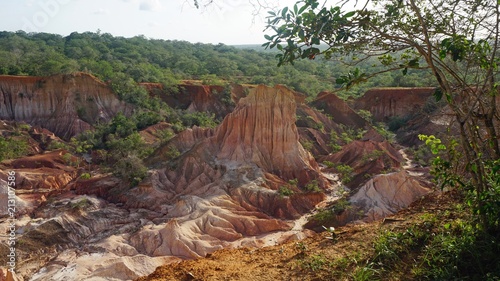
(485, 203)
(24, 127)
(384, 131)
(71, 160)
(11, 148)
(200, 119)
(443, 164)
(144, 119)
(329, 164)
(225, 96)
(284, 191)
(397, 122)
(345, 172)
(121, 61)
(54, 145)
(308, 145)
(85, 176)
(125, 149)
(334, 142)
(130, 167)
(366, 273)
(422, 155)
(172, 153)
(325, 216)
(374, 155)
(314, 263)
(348, 135)
(165, 135)
(440, 250)
(328, 216)
(365, 114)
(211, 79)
(80, 204)
(312, 186)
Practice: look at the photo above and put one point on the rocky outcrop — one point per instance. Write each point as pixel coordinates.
(64, 104)
(385, 103)
(384, 195)
(366, 158)
(206, 189)
(224, 184)
(50, 171)
(221, 191)
(262, 130)
(212, 99)
(36, 177)
(341, 112)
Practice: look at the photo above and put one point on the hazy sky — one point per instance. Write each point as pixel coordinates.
(227, 21)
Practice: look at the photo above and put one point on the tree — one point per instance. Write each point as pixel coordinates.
(457, 40)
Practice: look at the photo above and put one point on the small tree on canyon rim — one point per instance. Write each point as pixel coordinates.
(457, 40)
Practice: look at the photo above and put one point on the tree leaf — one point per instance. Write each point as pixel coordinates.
(303, 8)
(438, 94)
(350, 14)
(284, 11)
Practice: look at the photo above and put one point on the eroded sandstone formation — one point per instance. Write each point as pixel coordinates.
(386, 103)
(220, 192)
(193, 97)
(223, 186)
(339, 110)
(367, 158)
(220, 189)
(262, 130)
(386, 194)
(64, 104)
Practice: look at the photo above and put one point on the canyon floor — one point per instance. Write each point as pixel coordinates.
(349, 256)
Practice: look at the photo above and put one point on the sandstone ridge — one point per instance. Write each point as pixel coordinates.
(64, 104)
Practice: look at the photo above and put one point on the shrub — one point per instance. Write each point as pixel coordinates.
(172, 153)
(374, 155)
(54, 145)
(397, 122)
(313, 186)
(11, 148)
(145, 119)
(131, 168)
(365, 114)
(308, 145)
(165, 135)
(85, 176)
(211, 79)
(345, 172)
(285, 191)
(80, 204)
(200, 119)
(329, 164)
(325, 216)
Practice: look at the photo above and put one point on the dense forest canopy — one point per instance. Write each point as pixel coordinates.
(164, 61)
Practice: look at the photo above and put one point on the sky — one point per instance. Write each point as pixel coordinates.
(225, 21)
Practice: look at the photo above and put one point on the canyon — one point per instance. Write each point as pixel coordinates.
(224, 190)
